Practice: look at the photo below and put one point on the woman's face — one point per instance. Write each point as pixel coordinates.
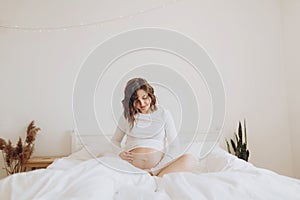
(143, 102)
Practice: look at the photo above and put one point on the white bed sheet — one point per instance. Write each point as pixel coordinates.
(219, 176)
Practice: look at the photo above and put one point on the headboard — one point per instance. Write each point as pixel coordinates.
(96, 143)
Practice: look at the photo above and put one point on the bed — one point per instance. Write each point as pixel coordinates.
(219, 175)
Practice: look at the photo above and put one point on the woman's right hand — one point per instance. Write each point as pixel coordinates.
(126, 155)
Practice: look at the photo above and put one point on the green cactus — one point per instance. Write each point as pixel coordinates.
(239, 148)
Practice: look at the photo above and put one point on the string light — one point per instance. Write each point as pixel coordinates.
(80, 25)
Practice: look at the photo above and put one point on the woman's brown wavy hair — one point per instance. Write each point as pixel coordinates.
(130, 95)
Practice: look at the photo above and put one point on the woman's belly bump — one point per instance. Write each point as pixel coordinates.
(146, 158)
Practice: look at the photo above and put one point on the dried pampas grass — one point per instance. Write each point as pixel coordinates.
(15, 156)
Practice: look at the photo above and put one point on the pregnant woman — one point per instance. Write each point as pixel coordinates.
(150, 132)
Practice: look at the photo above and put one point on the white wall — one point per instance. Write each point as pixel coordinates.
(291, 19)
(244, 38)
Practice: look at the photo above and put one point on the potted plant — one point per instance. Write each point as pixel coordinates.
(239, 147)
(15, 156)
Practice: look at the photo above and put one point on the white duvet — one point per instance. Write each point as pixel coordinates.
(219, 176)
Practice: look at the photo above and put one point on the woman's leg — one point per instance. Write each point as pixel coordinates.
(185, 163)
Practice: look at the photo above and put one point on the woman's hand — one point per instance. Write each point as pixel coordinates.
(126, 155)
(149, 171)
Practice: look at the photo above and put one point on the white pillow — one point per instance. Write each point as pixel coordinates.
(86, 146)
(215, 161)
(199, 147)
(220, 160)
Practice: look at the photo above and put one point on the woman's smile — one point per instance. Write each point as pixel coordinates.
(143, 102)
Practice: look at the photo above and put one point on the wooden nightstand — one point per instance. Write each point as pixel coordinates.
(39, 162)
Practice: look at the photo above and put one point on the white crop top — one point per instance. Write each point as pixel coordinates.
(155, 130)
